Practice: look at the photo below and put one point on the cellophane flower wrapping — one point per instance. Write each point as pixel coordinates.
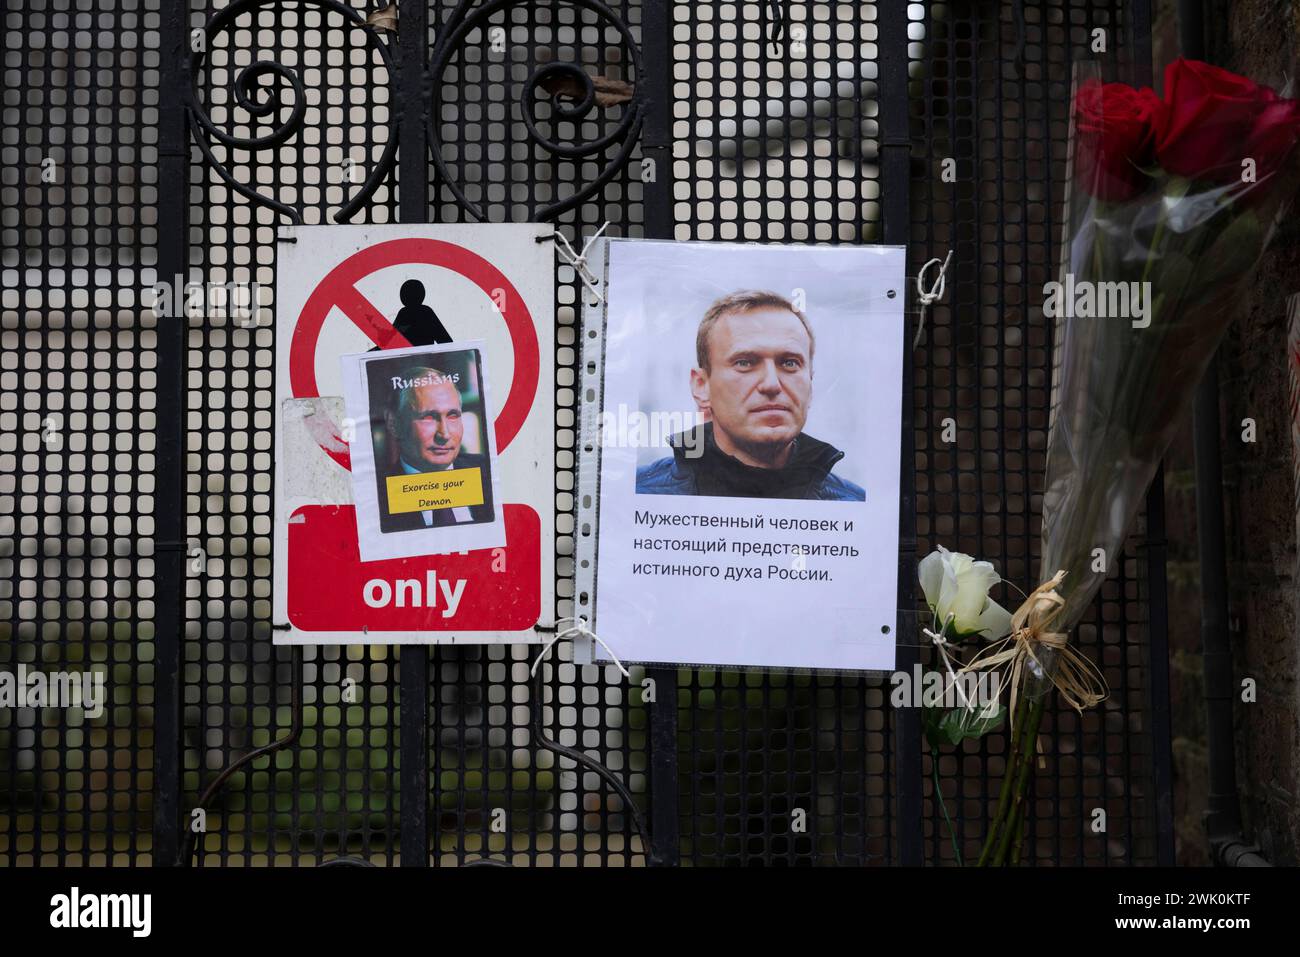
(1182, 193)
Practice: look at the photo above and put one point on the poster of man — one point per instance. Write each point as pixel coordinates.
(415, 492)
(753, 385)
(423, 457)
(749, 441)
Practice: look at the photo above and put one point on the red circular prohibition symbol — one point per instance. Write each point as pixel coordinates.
(339, 288)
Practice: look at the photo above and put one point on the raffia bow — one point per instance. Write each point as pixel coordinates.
(1078, 680)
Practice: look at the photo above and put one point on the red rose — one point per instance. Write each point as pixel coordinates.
(1273, 136)
(1115, 131)
(1216, 119)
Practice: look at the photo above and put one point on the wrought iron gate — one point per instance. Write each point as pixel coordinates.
(180, 136)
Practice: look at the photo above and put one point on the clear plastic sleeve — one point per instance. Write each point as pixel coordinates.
(1166, 224)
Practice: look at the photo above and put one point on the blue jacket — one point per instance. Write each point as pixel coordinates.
(806, 476)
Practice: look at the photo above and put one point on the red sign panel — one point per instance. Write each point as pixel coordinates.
(493, 282)
(330, 589)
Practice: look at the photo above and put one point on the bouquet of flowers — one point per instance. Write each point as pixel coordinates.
(1172, 203)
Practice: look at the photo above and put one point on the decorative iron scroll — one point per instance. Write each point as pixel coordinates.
(560, 79)
(554, 77)
(190, 843)
(259, 101)
(192, 853)
(543, 739)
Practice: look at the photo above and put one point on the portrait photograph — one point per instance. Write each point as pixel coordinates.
(749, 437)
(743, 367)
(423, 454)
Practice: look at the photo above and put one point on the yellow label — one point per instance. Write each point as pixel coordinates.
(431, 490)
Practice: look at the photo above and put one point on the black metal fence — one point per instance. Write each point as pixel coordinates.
(145, 140)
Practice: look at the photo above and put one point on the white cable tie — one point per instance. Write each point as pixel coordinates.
(928, 297)
(941, 643)
(579, 260)
(578, 629)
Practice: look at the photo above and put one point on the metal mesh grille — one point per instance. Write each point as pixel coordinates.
(77, 240)
(557, 813)
(780, 143)
(769, 142)
(995, 100)
(335, 791)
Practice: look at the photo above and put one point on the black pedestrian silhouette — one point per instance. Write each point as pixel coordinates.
(416, 321)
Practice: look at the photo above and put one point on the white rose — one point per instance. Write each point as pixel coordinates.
(956, 588)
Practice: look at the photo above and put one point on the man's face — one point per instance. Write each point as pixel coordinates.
(430, 428)
(759, 383)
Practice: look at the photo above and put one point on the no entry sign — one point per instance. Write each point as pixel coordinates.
(344, 290)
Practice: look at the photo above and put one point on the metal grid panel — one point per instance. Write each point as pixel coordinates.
(334, 791)
(780, 142)
(996, 93)
(79, 193)
(769, 143)
(484, 755)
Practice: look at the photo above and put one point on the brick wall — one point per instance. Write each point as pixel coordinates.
(1259, 38)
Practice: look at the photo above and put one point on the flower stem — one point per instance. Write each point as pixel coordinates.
(1004, 839)
(938, 795)
(1012, 800)
(1028, 752)
(990, 839)
(1016, 845)
(1154, 252)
